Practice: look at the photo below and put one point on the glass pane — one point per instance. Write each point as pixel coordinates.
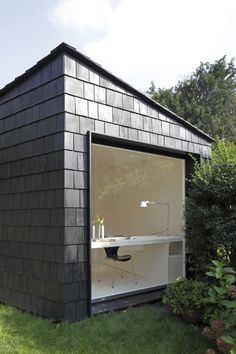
(121, 180)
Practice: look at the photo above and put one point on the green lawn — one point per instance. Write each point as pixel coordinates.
(144, 330)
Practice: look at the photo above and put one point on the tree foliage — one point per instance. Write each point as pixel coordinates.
(211, 208)
(206, 99)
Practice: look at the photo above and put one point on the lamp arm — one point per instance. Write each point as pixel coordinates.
(168, 213)
(157, 203)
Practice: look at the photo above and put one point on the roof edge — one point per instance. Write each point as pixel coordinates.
(65, 48)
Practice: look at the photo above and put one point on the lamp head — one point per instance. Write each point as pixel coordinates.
(144, 204)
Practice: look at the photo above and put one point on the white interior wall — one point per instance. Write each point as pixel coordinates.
(122, 178)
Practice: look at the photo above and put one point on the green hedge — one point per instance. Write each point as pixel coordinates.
(210, 211)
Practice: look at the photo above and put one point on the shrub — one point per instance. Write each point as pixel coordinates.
(214, 302)
(215, 331)
(219, 292)
(221, 307)
(186, 298)
(210, 211)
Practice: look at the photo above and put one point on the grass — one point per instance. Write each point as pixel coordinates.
(144, 330)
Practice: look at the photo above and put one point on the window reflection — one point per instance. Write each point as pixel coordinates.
(121, 179)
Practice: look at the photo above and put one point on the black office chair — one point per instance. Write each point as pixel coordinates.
(112, 253)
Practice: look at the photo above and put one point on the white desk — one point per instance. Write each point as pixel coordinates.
(154, 265)
(134, 241)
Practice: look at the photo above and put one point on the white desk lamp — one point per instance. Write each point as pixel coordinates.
(145, 203)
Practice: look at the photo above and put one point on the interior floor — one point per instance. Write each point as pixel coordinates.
(125, 280)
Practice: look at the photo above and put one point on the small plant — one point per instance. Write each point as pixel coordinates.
(101, 228)
(219, 298)
(231, 341)
(215, 331)
(221, 301)
(186, 298)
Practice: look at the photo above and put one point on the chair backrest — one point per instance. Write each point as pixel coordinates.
(111, 252)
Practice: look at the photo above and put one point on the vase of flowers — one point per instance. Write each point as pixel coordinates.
(101, 227)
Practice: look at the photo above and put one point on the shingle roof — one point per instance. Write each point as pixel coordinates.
(71, 51)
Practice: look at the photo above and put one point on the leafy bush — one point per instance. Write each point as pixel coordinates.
(221, 309)
(219, 294)
(214, 302)
(186, 298)
(211, 209)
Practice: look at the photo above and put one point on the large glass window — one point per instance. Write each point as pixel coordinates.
(121, 180)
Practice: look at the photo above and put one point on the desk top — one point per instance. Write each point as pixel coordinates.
(134, 241)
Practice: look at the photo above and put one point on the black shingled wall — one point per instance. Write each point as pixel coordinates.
(32, 193)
